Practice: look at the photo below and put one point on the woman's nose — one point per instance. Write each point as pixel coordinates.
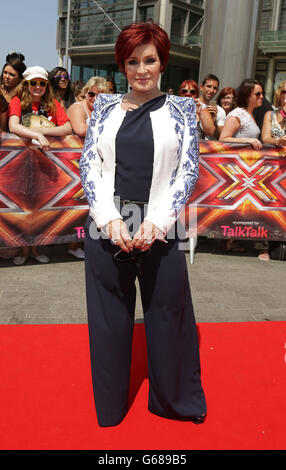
(141, 67)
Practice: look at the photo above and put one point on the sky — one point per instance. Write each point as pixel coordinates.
(29, 27)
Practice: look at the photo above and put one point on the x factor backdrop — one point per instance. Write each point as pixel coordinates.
(240, 193)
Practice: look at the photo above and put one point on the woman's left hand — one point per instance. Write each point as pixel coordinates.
(146, 235)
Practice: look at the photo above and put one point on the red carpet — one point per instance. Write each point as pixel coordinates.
(46, 398)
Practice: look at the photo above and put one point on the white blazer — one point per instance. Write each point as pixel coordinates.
(175, 167)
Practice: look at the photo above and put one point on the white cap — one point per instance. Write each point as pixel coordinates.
(35, 72)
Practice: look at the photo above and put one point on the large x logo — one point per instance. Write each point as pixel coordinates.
(234, 182)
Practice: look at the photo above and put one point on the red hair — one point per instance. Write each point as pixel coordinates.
(191, 83)
(225, 91)
(137, 34)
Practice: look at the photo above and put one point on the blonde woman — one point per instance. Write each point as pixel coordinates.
(274, 124)
(79, 112)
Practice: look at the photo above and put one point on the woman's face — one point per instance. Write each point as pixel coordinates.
(10, 77)
(91, 96)
(227, 102)
(188, 91)
(37, 88)
(111, 87)
(62, 79)
(143, 68)
(256, 97)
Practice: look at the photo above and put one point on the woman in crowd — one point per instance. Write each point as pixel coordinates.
(34, 99)
(227, 99)
(274, 124)
(111, 85)
(12, 74)
(240, 125)
(274, 132)
(61, 86)
(79, 112)
(77, 90)
(141, 152)
(190, 89)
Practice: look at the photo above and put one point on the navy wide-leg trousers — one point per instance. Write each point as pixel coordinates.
(175, 389)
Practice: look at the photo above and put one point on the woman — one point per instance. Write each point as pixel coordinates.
(12, 74)
(79, 112)
(34, 103)
(77, 90)
(61, 86)
(226, 99)
(274, 132)
(111, 85)
(240, 125)
(141, 152)
(190, 89)
(274, 123)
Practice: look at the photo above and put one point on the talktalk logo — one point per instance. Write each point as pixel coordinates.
(244, 232)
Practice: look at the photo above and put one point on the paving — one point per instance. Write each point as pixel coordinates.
(225, 287)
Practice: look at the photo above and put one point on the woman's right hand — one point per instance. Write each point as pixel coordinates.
(256, 144)
(118, 234)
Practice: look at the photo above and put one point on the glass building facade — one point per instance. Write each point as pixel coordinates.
(91, 29)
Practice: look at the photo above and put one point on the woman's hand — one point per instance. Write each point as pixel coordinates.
(281, 141)
(146, 235)
(118, 233)
(43, 141)
(256, 144)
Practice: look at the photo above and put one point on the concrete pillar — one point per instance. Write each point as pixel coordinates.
(269, 83)
(229, 40)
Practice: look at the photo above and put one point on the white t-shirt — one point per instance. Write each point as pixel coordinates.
(248, 127)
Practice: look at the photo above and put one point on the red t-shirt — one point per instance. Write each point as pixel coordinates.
(59, 117)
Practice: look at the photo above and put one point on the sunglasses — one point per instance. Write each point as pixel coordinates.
(91, 94)
(41, 83)
(63, 76)
(131, 256)
(192, 92)
(259, 93)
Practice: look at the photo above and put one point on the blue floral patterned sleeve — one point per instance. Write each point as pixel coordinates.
(185, 178)
(98, 190)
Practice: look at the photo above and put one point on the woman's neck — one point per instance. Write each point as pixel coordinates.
(141, 97)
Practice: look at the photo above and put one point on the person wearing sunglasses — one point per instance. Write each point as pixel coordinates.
(79, 112)
(190, 89)
(240, 125)
(138, 169)
(34, 99)
(61, 86)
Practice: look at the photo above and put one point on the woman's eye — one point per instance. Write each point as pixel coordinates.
(132, 62)
(150, 61)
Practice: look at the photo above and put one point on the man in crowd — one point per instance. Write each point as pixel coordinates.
(208, 90)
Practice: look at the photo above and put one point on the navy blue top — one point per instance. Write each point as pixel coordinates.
(134, 147)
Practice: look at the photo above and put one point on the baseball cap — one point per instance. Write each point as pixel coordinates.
(35, 72)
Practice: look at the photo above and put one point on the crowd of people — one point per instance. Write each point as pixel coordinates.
(35, 104)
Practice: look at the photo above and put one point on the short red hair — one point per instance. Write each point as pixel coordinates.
(191, 83)
(137, 34)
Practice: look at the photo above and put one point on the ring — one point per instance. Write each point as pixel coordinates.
(148, 242)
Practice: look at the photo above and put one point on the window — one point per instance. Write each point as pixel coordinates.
(178, 25)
